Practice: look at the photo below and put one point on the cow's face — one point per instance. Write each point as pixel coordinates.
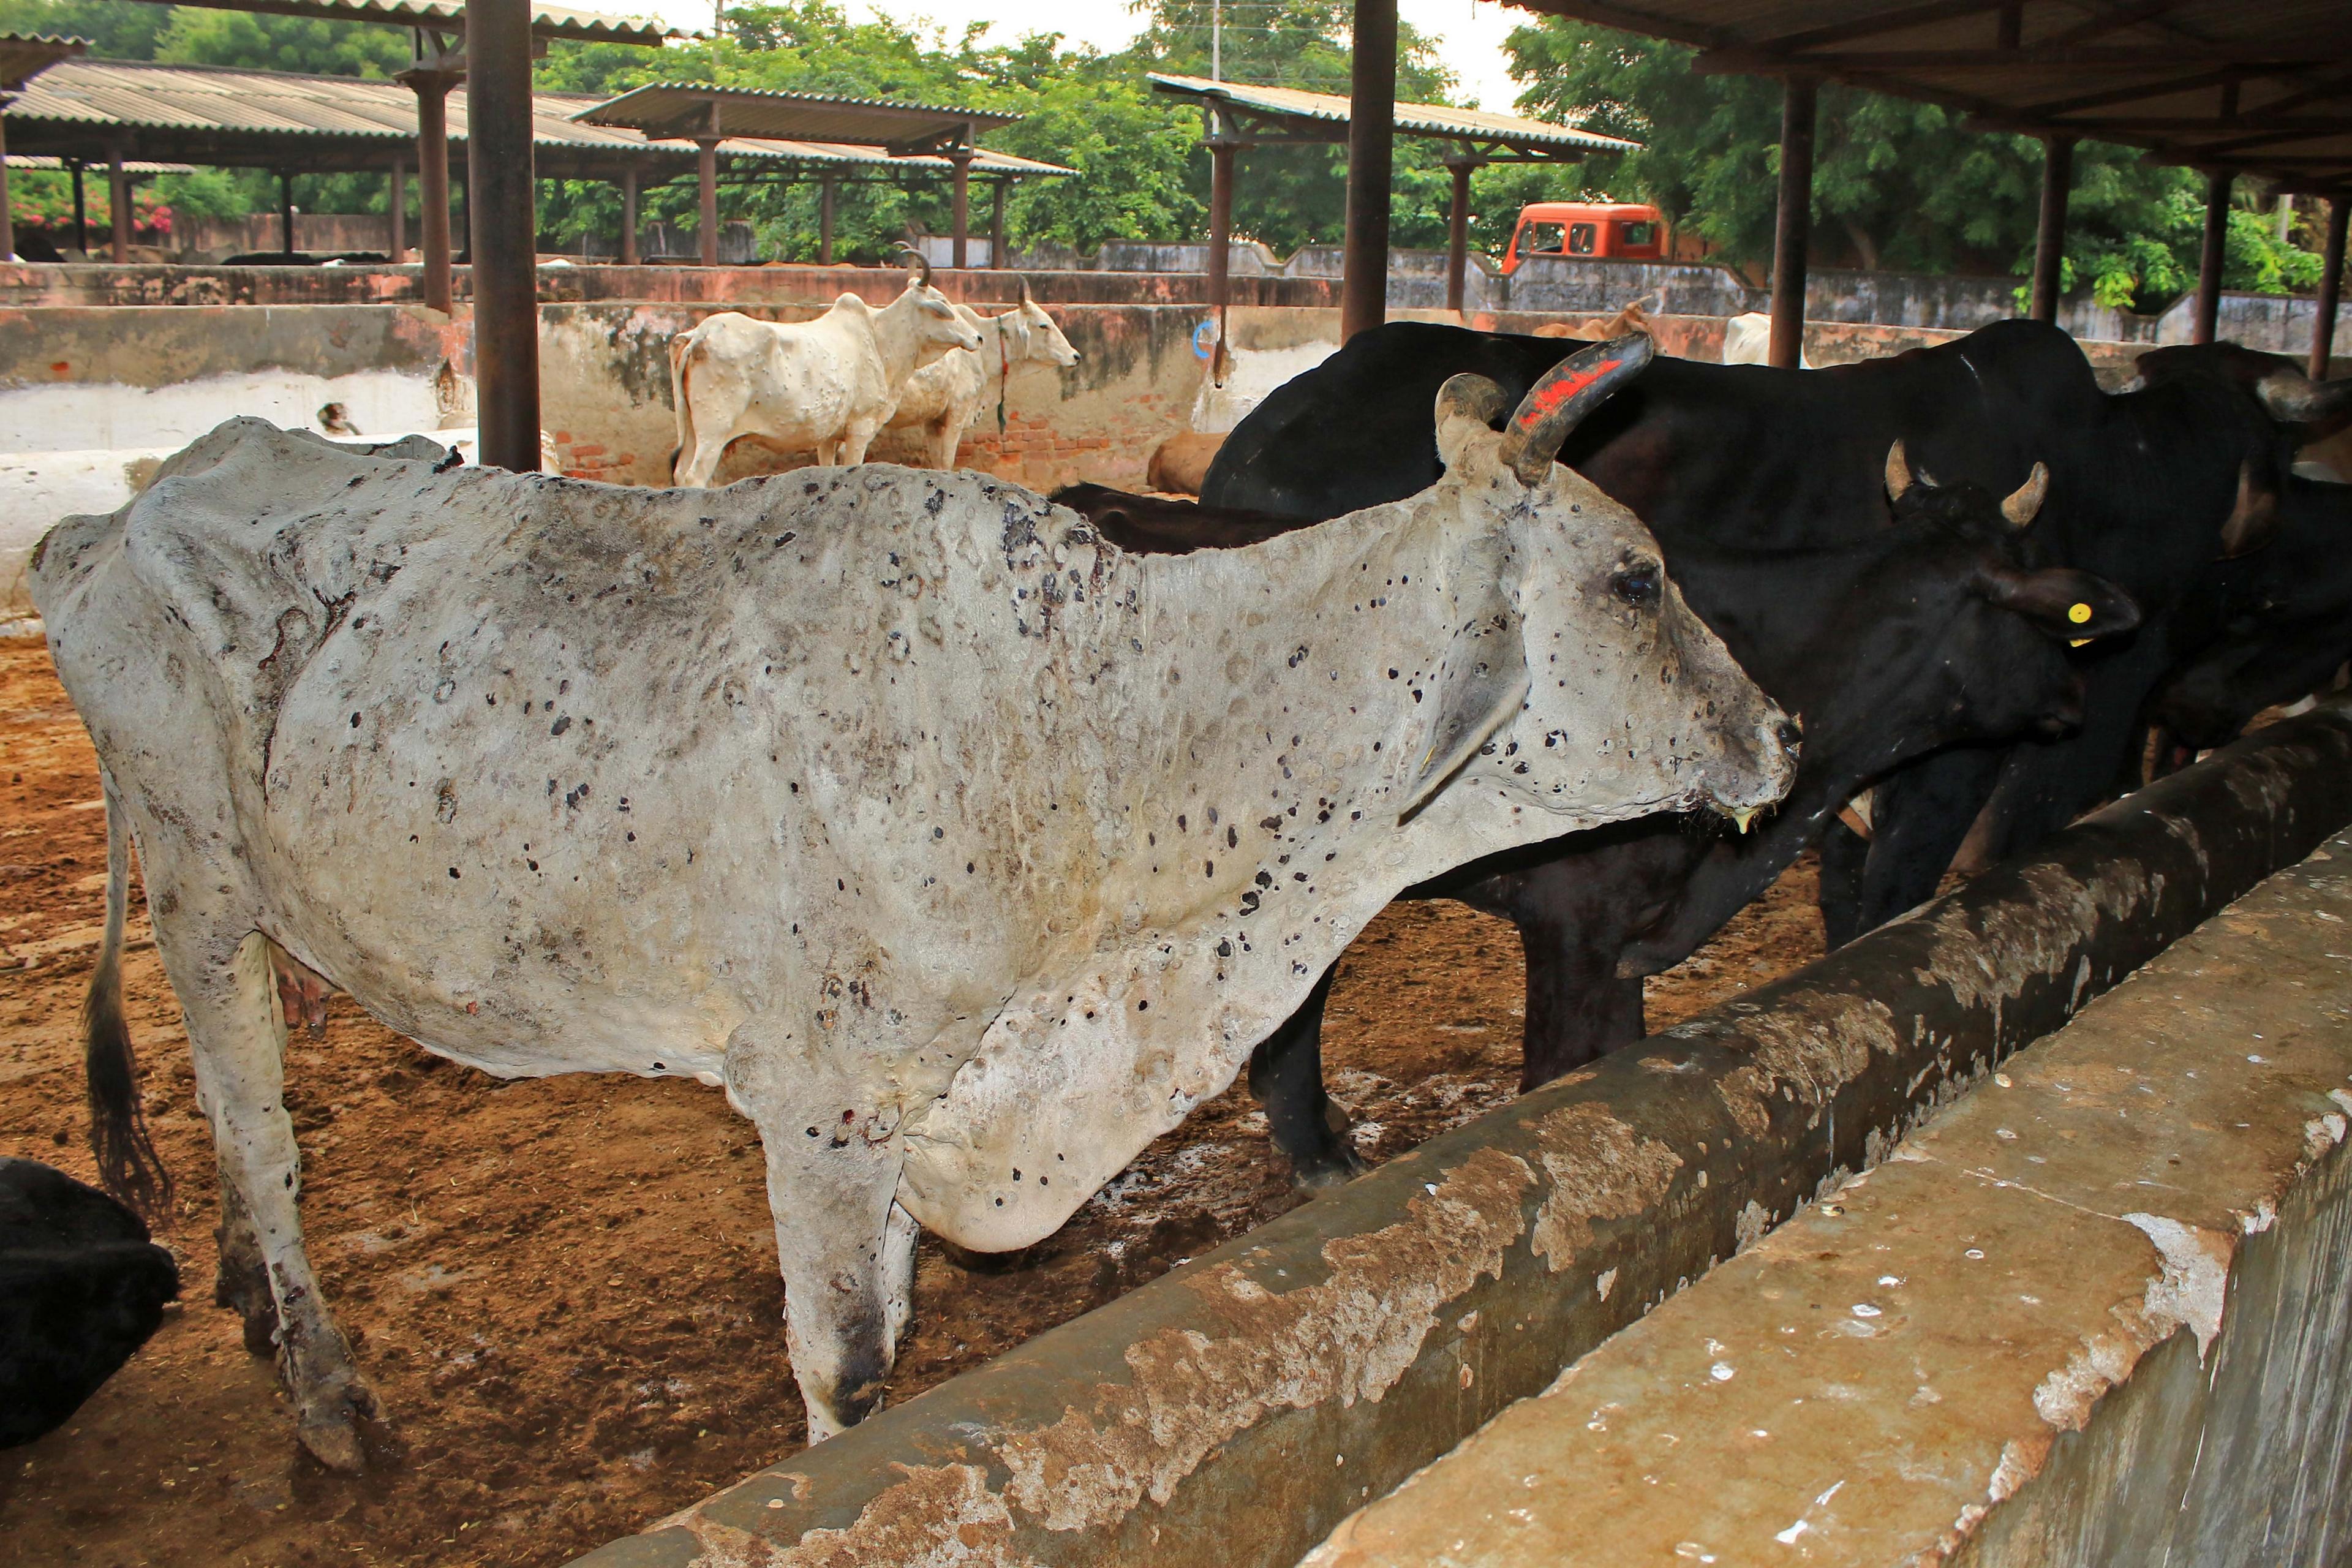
(1035, 337)
(938, 326)
(1597, 691)
(1967, 627)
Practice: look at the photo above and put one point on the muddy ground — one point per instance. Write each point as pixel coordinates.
(564, 1289)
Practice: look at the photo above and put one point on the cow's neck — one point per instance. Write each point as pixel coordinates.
(896, 329)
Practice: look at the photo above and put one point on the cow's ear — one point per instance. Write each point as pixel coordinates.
(1479, 685)
(1467, 407)
(2060, 601)
(2253, 522)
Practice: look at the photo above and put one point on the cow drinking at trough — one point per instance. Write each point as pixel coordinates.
(1950, 626)
(945, 396)
(967, 852)
(827, 385)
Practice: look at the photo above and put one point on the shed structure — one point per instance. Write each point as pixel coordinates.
(1237, 116)
(708, 115)
(2227, 87)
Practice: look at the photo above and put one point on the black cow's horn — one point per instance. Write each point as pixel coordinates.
(1571, 389)
(1898, 470)
(918, 269)
(2020, 504)
(2295, 399)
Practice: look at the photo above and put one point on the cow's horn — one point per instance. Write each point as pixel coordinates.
(1898, 471)
(2020, 504)
(1571, 389)
(1469, 397)
(2293, 398)
(1027, 298)
(918, 267)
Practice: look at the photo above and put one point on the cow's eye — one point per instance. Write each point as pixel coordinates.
(1638, 584)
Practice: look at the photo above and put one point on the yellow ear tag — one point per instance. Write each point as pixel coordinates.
(2078, 642)
(2078, 614)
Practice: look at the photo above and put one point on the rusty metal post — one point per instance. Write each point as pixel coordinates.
(2331, 285)
(2211, 256)
(960, 204)
(1457, 236)
(1371, 160)
(432, 90)
(996, 224)
(1793, 230)
(286, 211)
(7, 224)
(1221, 227)
(502, 222)
(81, 212)
(2050, 232)
(397, 209)
(629, 215)
(117, 205)
(706, 175)
(825, 189)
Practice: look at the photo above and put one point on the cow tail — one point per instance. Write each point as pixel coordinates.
(127, 1164)
(681, 347)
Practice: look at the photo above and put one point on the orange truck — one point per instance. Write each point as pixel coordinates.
(1608, 231)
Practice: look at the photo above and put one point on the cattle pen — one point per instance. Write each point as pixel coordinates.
(2017, 1231)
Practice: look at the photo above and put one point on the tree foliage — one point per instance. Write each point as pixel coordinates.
(1896, 184)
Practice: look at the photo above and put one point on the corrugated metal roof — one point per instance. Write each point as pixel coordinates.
(24, 56)
(449, 16)
(2262, 86)
(670, 109)
(1428, 120)
(219, 114)
(132, 166)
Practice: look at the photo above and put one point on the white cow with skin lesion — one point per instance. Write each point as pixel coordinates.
(967, 851)
(827, 385)
(944, 397)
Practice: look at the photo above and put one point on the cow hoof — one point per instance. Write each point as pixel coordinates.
(1336, 1167)
(332, 1428)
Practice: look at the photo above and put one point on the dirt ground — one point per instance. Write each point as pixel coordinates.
(564, 1289)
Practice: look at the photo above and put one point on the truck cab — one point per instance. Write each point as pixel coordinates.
(1604, 231)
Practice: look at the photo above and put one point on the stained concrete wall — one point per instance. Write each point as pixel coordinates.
(2098, 1311)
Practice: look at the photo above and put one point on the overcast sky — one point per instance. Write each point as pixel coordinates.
(1470, 33)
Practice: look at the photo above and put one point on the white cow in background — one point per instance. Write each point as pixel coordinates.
(969, 852)
(827, 385)
(1748, 339)
(946, 396)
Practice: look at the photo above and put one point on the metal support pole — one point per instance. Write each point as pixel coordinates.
(706, 175)
(1371, 150)
(501, 199)
(2210, 258)
(1794, 228)
(81, 215)
(1221, 227)
(629, 215)
(286, 211)
(960, 204)
(1457, 237)
(2049, 233)
(996, 224)
(7, 224)
(397, 208)
(824, 190)
(432, 90)
(117, 207)
(2331, 284)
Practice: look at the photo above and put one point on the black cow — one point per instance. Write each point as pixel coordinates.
(1947, 626)
(2283, 628)
(2146, 489)
(81, 1289)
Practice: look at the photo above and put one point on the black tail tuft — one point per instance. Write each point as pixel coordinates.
(128, 1165)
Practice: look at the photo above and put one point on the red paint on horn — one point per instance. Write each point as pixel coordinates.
(1543, 399)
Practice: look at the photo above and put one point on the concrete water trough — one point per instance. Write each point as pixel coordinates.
(1238, 1411)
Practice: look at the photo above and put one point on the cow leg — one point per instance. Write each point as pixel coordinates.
(947, 434)
(855, 439)
(1845, 855)
(1286, 1075)
(1577, 1006)
(702, 463)
(1919, 818)
(236, 1037)
(845, 1247)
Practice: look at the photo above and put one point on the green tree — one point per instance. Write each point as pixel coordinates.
(1896, 184)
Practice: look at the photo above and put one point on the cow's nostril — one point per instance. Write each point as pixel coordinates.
(1790, 732)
